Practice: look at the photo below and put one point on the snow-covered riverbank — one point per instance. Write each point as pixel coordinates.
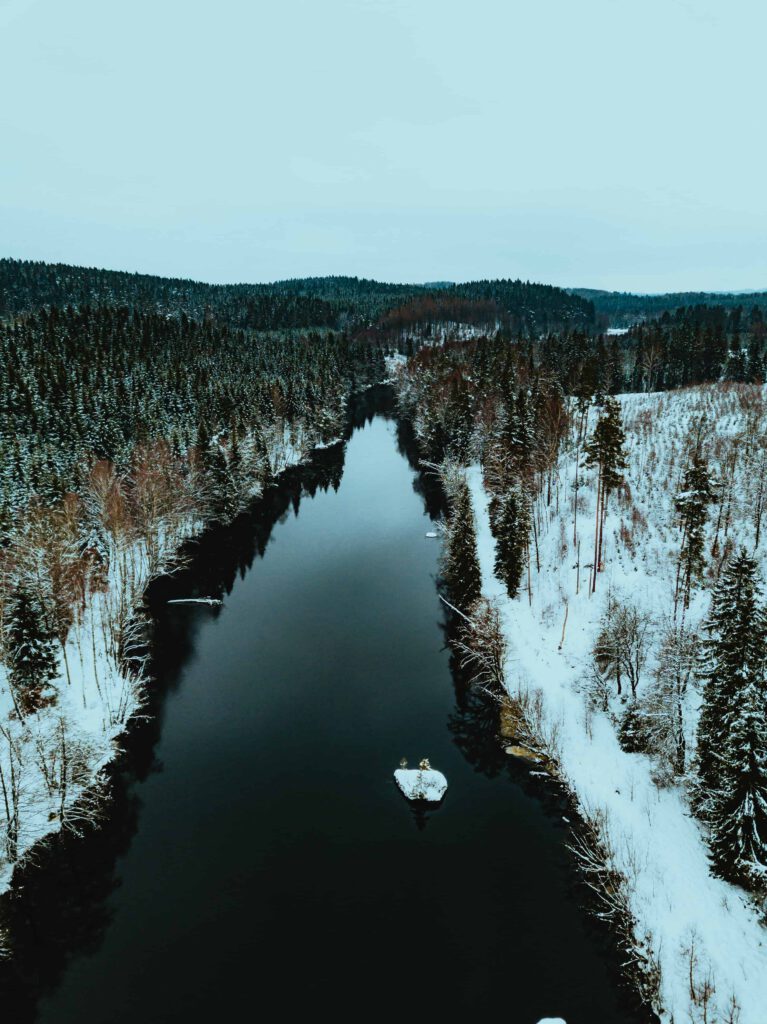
(704, 933)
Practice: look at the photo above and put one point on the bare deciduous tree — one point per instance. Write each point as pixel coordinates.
(622, 645)
(665, 703)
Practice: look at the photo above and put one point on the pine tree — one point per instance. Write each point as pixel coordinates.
(691, 506)
(605, 450)
(730, 790)
(511, 525)
(31, 646)
(461, 566)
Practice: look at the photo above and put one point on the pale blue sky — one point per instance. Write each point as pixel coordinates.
(604, 143)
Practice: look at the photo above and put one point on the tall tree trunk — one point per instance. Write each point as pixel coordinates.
(596, 532)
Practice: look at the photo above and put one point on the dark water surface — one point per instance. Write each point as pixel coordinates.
(259, 856)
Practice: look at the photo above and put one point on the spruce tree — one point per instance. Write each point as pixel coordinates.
(518, 436)
(738, 816)
(262, 456)
(755, 361)
(511, 526)
(633, 732)
(730, 790)
(727, 653)
(31, 646)
(459, 420)
(461, 566)
(432, 432)
(220, 481)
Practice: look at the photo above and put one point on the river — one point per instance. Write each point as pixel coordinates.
(257, 856)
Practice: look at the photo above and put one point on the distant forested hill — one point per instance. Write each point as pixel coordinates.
(517, 308)
(104, 382)
(542, 307)
(622, 309)
(296, 304)
(339, 303)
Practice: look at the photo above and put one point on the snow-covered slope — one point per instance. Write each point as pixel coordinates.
(705, 933)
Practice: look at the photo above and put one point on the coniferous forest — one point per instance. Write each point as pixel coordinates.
(135, 411)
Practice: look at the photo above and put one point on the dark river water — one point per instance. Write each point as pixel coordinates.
(257, 860)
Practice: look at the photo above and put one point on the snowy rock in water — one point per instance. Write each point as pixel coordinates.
(422, 783)
(431, 534)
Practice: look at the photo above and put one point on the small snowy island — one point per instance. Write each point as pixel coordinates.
(421, 783)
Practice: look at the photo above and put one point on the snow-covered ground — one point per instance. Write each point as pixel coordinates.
(703, 931)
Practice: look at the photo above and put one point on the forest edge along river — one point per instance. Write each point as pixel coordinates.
(257, 851)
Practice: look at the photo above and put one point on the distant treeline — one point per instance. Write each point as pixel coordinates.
(331, 302)
(337, 303)
(623, 309)
(694, 345)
